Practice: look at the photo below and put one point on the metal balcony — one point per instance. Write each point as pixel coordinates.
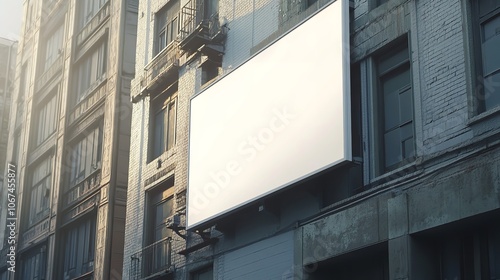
(87, 185)
(198, 28)
(163, 69)
(153, 261)
(51, 72)
(93, 24)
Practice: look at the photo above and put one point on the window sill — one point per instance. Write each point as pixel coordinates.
(396, 174)
(484, 115)
(37, 151)
(92, 89)
(164, 156)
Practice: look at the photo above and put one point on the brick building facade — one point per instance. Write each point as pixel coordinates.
(418, 200)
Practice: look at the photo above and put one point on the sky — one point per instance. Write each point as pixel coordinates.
(10, 18)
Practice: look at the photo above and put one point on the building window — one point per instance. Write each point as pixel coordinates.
(33, 264)
(85, 157)
(494, 253)
(394, 101)
(47, 119)
(79, 248)
(463, 256)
(211, 9)
(89, 9)
(487, 39)
(160, 207)
(203, 274)
(164, 109)
(53, 47)
(40, 191)
(376, 3)
(91, 71)
(167, 25)
(209, 71)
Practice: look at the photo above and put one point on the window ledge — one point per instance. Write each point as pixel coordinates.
(165, 156)
(484, 115)
(396, 174)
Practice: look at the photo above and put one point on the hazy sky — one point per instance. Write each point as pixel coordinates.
(10, 18)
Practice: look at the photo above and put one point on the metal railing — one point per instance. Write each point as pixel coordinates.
(94, 94)
(194, 18)
(49, 73)
(92, 25)
(191, 17)
(162, 65)
(153, 259)
(35, 231)
(88, 184)
(167, 58)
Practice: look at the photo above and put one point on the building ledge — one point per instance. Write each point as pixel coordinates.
(198, 246)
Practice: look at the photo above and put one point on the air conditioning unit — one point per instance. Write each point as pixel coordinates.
(173, 221)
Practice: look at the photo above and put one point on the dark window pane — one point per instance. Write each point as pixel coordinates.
(204, 275)
(389, 62)
(171, 125)
(397, 81)
(492, 91)
(494, 253)
(491, 28)
(450, 259)
(79, 248)
(391, 110)
(392, 148)
(158, 134)
(406, 105)
(487, 6)
(408, 148)
(406, 131)
(380, 2)
(491, 55)
(397, 101)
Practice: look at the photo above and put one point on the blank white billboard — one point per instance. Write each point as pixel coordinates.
(278, 118)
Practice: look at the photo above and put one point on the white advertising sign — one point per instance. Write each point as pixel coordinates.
(278, 118)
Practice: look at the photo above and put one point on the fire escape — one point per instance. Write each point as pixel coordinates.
(201, 29)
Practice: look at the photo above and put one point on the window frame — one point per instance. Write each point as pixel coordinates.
(376, 122)
(195, 275)
(53, 47)
(167, 30)
(478, 81)
(37, 209)
(87, 10)
(27, 259)
(79, 253)
(48, 111)
(159, 106)
(90, 71)
(76, 173)
(157, 197)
